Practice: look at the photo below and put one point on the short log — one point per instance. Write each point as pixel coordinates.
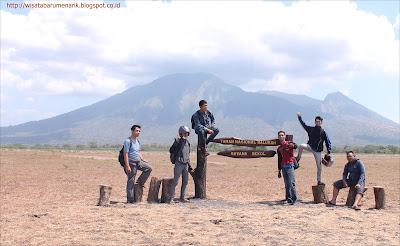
(138, 194)
(154, 189)
(380, 199)
(320, 194)
(105, 193)
(166, 190)
(351, 197)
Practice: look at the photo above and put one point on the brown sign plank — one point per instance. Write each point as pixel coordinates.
(247, 153)
(250, 143)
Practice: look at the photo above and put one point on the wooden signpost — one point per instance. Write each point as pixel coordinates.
(247, 153)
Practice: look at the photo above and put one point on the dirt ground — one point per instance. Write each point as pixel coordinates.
(50, 198)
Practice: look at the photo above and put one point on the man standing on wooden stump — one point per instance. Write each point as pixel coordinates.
(203, 122)
(353, 176)
(316, 138)
(286, 165)
(182, 163)
(134, 161)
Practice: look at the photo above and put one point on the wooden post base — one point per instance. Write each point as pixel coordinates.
(138, 194)
(166, 190)
(380, 200)
(154, 189)
(320, 194)
(105, 193)
(351, 197)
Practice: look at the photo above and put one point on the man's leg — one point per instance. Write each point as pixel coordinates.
(336, 187)
(301, 148)
(146, 169)
(317, 156)
(185, 178)
(286, 180)
(292, 185)
(357, 200)
(202, 137)
(212, 136)
(130, 184)
(177, 174)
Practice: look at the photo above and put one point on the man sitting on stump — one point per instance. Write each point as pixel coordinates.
(353, 176)
(203, 122)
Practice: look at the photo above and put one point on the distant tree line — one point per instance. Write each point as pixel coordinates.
(368, 149)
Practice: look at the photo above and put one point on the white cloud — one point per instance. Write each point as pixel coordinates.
(19, 116)
(396, 24)
(255, 44)
(29, 99)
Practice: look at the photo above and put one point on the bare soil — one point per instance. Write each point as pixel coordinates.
(50, 198)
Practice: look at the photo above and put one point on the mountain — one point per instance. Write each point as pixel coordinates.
(164, 104)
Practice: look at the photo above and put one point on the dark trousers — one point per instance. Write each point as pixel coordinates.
(146, 169)
(203, 136)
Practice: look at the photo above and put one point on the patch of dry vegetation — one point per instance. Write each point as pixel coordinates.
(49, 198)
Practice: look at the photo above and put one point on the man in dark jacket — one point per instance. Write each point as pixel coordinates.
(316, 138)
(204, 123)
(353, 176)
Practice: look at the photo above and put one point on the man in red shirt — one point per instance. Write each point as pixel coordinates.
(286, 164)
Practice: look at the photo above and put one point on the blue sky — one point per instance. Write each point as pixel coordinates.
(56, 60)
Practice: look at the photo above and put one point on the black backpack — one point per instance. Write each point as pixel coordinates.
(121, 158)
(174, 149)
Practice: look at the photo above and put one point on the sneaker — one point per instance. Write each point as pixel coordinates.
(297, 159)
(321, 183)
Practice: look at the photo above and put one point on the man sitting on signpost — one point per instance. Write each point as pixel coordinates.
(203, 122)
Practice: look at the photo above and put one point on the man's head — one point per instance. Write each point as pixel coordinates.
(203, 106)
(281, 136)
(318, 121)
(135, 130)
(350, 156)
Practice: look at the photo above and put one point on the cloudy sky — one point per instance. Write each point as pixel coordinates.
(56, 60)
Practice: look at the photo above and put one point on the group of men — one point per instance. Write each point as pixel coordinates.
(203, 123)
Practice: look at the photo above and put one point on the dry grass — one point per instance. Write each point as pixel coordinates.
(49, 198)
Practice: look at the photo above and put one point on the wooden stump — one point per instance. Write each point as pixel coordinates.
(166, 190)
(200, 174)
(154, 189)
(380, 199)
(320, 194)
(105, 193)
(138, 194)
(351, 197)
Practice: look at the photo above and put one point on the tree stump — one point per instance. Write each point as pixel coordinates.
(166, 190)
(154, 189)
(138, 193)
(105, 193)
(351, 197)
(380, 199)
(320, 194)
(200, 174)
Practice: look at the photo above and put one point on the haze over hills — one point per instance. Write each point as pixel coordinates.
(168, 102)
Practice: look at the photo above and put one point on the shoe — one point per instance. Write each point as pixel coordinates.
(185, 200)
(356, 208)
(297, 159)
(321, 183)
(330, 203)
(130, 201)
(171, 202)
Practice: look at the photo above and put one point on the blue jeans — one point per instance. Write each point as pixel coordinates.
(203, 136)
(290, 184)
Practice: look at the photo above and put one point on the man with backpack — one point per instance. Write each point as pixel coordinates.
(133, 160)
(286, 163)
(203, 122)
(180, 151)
(316, 138)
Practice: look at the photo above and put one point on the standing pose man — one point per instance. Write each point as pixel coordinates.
(316, 138)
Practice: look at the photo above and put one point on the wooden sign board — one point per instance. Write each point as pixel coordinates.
(250, 143)
(247, 153)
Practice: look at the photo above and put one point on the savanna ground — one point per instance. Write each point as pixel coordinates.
(49, 198)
